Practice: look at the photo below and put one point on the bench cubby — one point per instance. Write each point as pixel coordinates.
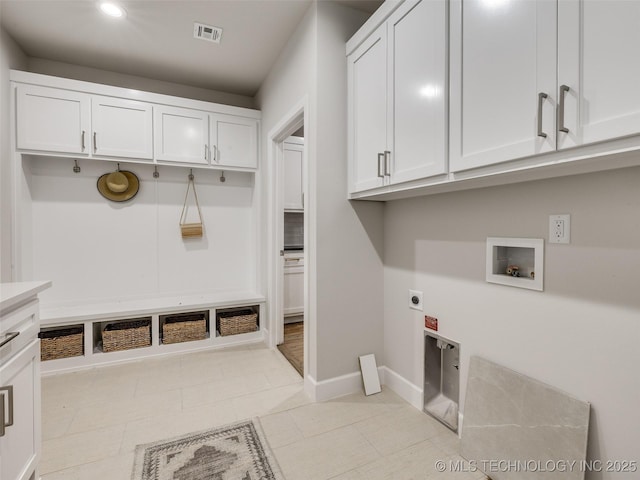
(159, 315)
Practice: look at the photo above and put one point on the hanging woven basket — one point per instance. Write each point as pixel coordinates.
(191, 230)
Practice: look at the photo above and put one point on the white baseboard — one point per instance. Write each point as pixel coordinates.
(334, 387)
(406, 390)
(352, 383)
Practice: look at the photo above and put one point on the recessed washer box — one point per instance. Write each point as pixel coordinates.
(517, 262)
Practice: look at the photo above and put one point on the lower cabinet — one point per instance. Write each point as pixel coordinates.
(20, 416)
(293, 285)
(20, 405)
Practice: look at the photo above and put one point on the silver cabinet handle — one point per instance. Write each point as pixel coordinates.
(95, 143)
(8, 337)
(563, 90)
(541, 97)
(380, 160)
(83, 145)
(206, 157)
(387, 162)
(1, 414)
(3, 421)
(215, 153)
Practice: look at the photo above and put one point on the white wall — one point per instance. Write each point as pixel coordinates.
(95, 75)
(94, 249)
(580, 335)
(345, 241)
(11, 57)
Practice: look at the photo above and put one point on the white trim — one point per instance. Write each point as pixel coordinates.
(281, 131)
(406, 390)
(378, 18)
(310, 387)
(323, 390)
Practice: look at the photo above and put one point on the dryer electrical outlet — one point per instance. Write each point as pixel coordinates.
(415, 300)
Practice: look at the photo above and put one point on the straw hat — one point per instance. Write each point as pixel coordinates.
(118, 186)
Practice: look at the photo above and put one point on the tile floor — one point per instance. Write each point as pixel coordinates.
(93, 419)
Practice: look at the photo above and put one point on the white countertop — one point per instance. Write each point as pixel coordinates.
(17, 292)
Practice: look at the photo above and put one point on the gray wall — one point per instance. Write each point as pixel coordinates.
(95, 75)
(290, 81)
(580, 335)
(11, 57)
(349, 236)
(345, 255)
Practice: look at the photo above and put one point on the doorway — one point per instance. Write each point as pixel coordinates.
(289, 241)
(293, 247)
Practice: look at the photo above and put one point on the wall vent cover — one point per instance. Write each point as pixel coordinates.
(207, 32)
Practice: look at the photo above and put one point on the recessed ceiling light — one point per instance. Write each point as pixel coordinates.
(112, 10)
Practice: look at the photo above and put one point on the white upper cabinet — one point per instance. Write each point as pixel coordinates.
(367, 110)
(62, 117)
(541, 76)
(417, 77)
(503, 81)
(293, 150)
(234, 141)
(53, 120)
(398, 98)
(122, 128)
(181, 135)
(598, 44)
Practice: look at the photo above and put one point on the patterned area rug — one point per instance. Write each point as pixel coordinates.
(232, 452)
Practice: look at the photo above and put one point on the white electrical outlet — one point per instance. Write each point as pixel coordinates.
(415, 300)
(559, 228)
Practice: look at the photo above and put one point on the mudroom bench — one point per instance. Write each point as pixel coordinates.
(84, 335)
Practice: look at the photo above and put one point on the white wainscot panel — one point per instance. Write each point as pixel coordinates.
(223, 259)
(88, 246)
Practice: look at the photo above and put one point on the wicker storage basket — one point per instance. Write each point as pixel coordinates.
(126, 335)
(61, 343)
(184, 328)
(237, 321)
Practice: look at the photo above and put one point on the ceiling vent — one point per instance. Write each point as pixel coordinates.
(207, 32)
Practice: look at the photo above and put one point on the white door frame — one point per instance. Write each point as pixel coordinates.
(292, 121)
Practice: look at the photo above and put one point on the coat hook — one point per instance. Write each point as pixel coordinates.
(222, 177)
(76, 167)
(156, 174)
(191, 174)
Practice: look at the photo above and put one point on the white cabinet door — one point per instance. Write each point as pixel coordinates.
(292, 156)
(598, 44)
(122, 128)
(181, 135)
(20, 444)
(503, 56)
(293, 285)
(367, 109)
(53, 120)
(418, 99)
(234, 141)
